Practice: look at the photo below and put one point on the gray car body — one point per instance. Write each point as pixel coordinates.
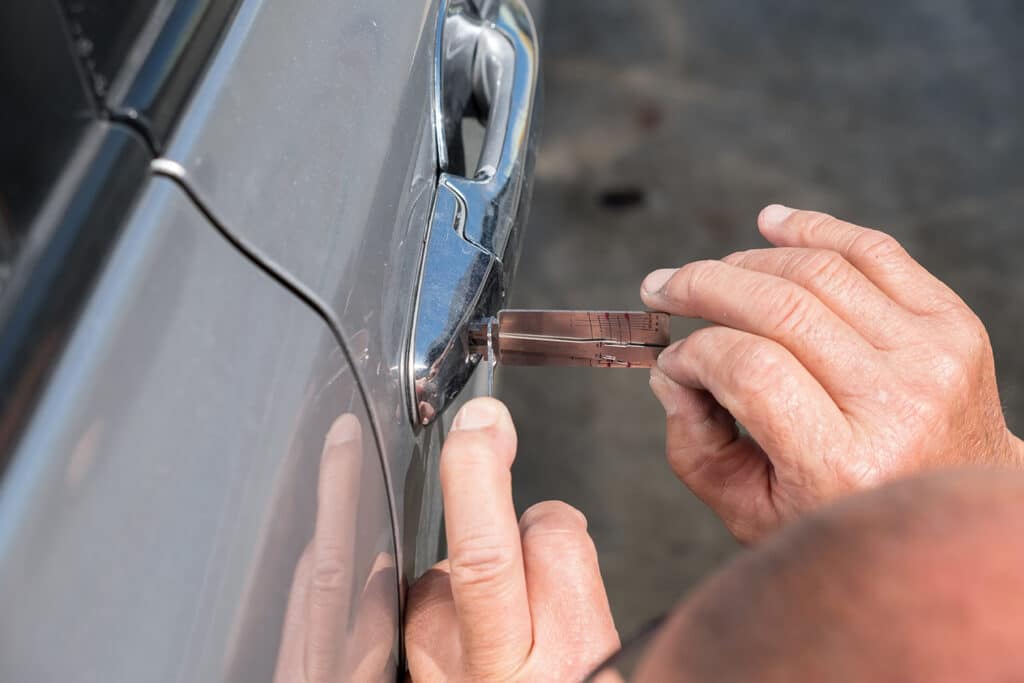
(164, 491)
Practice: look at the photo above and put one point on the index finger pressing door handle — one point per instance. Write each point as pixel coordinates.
(486, 67)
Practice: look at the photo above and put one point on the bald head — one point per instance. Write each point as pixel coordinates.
(919, 580)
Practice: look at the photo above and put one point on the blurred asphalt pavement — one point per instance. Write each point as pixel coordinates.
(667, 126)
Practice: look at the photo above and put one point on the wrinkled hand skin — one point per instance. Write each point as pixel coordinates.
(845, 360)
(515, 601)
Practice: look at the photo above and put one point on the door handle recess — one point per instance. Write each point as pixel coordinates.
(486, 67)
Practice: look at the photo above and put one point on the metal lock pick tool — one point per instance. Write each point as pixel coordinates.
(597, 339)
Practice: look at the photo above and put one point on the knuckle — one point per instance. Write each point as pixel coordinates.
(330, 574)
(969, 325)
(552, 515)
(928, 414)
(698, 344)
(481, 561)
(968, 332)
(950, 373)
(691, 280)
(978, 342)
(819, 267)
(759, 366)
(875, 245)
(946, 305)
(789, 311)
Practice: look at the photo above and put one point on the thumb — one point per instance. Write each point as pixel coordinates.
(484, 551)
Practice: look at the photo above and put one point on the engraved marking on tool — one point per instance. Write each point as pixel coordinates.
(605, 339)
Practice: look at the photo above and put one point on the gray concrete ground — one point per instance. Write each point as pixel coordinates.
(668, 125)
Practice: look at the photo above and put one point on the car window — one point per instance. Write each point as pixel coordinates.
(90, 86)
(104, 32)
(66, 64)
(46, 109)
(142, 58)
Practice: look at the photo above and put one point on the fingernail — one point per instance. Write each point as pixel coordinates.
(774, 214)
(663, 390)
(477, 414)
(345, 429)
(656, 280)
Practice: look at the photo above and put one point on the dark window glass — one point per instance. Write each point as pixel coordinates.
(104, 33)
(59, 60)
(44, 114)
(91, 90)
(142, 58)
(68, 178)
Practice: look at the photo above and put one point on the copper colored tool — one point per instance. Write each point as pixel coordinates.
(597, 339)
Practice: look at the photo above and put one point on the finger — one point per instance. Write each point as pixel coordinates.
(370, 652)
(330, 590)
(570, 606)
(292, 649)
(431, 628)
(763, 386)
(880, 257)
(770, 307)
(487, 578)
(837, 284)
(726, 470)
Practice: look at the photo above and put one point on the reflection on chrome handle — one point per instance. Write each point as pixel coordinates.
(487, 67)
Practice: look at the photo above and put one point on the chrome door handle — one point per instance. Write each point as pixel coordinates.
(486, 67)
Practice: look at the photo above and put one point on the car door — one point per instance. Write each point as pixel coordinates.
(166, 487)
(189, 463)
(224, 234)
(326, 137)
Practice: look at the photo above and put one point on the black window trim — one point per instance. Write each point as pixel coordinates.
(76, 228)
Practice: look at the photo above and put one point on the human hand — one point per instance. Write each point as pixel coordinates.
(321, 640)
(845, 360)
(513, 602)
